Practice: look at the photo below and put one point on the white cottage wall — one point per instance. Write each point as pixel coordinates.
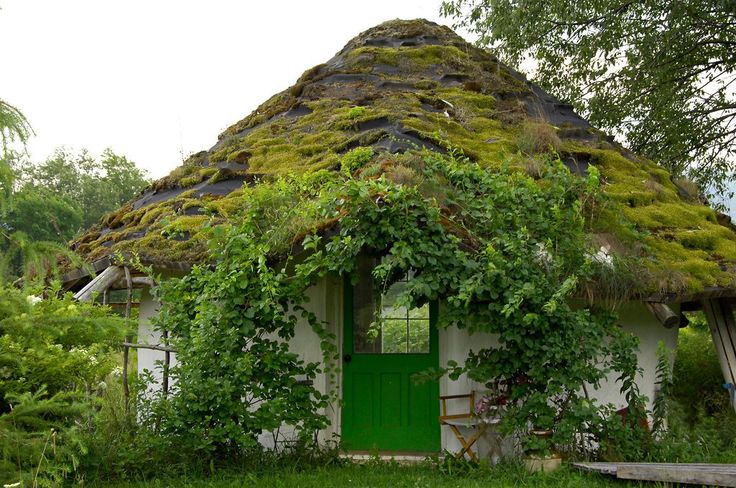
(148, 358)
(325, 301)
(634, 317)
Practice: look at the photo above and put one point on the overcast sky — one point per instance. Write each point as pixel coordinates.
(157, 78)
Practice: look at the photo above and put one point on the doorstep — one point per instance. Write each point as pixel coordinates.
(399, 457)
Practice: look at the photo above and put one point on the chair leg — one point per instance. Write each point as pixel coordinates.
(466, 444)
(473, 439)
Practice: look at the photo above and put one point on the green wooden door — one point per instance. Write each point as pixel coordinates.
(383, 408)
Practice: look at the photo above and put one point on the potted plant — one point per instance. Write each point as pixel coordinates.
(538, 452)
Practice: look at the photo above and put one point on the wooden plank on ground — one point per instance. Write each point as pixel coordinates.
(602, 468)
(697, 475)
(687, 473)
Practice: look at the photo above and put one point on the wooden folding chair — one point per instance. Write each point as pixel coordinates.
(465, 419)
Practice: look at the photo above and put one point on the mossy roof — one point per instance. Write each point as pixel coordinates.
(409, 85)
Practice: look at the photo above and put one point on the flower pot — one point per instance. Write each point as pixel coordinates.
(541, 460)
(542, 464)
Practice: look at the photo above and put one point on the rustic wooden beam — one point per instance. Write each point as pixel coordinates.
(126, 350)
(155, 347)
(664, 314)
(136, 282)
(100, 283)
(167, 363)
(689, 473)
(719, 314)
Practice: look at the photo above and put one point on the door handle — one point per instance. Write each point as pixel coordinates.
(347, 358)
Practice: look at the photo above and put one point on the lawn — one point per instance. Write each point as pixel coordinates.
(388, 475)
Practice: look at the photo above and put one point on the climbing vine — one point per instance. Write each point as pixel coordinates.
(504, 253)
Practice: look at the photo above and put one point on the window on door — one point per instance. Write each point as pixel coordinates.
(380, 324)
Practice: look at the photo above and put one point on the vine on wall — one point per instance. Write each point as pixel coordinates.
(504, 253)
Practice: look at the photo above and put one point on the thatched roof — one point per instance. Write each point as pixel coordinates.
(404, 85)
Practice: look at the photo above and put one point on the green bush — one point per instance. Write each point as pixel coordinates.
(697, 376)
(356, 158)
(54, 355)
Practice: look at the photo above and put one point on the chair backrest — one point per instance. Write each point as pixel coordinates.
(471, 406)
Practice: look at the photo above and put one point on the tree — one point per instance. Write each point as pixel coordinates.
(13, 127)
(55, 354)
(661, 73)
(96, 186)
(43, 216)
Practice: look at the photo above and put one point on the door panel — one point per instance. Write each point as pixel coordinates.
(383, 408)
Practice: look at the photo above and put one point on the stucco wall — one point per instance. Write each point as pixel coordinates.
(327, 304)
(634, 317)
(147, 358)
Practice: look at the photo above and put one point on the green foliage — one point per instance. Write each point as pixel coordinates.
(657, 72)
(13, 127)
(236, 377)
(34, 261)
(43, 216)
(48, 204)
(697, 377)
(356, 158)
(377, 474)
(39, 441)
(356, 112)
(700, 422)
(499, 248)
(54, 353)
(705, 439)
(97, 186)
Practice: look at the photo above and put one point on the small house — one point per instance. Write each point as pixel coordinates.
(398, 87)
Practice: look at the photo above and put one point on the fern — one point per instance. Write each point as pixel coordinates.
(37, 262)
(13, 126)
(38, 443)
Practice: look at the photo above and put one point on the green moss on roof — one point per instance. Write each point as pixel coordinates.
(400, 87)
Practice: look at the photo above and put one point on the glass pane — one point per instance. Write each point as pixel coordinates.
(420, 313)
(379, 324)
(394, 336)
(418, 336)
(366, 333)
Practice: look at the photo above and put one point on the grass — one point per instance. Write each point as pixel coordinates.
(393, 475)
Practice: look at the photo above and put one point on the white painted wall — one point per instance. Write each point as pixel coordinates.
(148, 358)
(634, 317)
(326, 302)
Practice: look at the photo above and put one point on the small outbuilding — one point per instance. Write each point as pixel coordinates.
(406, 86)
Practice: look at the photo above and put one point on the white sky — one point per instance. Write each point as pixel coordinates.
(154, 78)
